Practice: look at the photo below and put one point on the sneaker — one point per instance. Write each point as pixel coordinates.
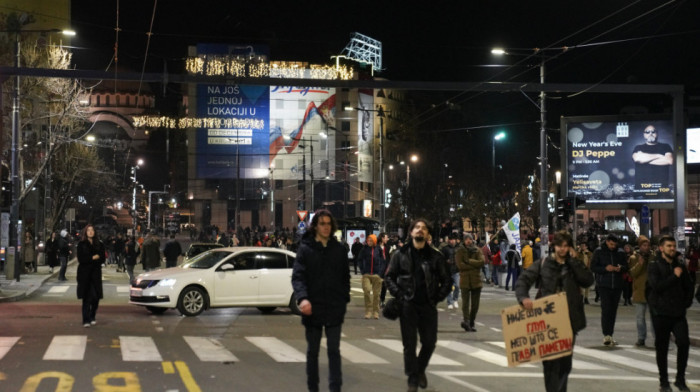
(450, 306)
(681, 386)
(86, 325)
(368, 315)
(375, 315)
(93, 322)
(608, 340)
(640, 343)
(456, 304)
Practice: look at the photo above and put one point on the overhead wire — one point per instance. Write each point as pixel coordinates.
(148, 43)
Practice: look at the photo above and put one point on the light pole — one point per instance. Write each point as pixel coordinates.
(414, 158)
(134, 168)
(544, 214)
(496, 137)
(14, 150)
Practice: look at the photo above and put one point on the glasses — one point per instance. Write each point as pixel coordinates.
(649, 131)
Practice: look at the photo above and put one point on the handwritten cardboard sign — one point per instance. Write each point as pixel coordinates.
(539, 334)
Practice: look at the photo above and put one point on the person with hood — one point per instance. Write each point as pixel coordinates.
(91, 257)
(321, 282)
(557, 273)
(609, 263)
(419, 277)
(449, 250)
(372, 267)
(469, 260)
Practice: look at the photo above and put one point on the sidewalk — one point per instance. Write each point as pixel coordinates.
(11, 290)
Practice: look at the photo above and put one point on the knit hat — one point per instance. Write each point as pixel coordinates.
(642, 239)
(469, 235)
(64, 233)
(373, 238)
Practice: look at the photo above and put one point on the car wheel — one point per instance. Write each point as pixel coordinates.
(156, 310)
(192, 301)
(293, 306)
(267, 309)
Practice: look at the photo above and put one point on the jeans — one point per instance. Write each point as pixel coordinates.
(313, 339)
(664, 327)
(470, 304)
(609, 300)
(64, 264)
(641, 310)
(494, 274)
(371, 286)
(130, 272)
(487, 273)
(417, 320)
(513, 272)
(454, 295)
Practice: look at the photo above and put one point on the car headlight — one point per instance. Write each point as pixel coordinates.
(167, 282)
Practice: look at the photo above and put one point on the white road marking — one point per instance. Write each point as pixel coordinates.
(356, 289)
(139, 349)
(397, 346)
(486, 356)
(6, 344)
(66, 348)
(355, 354)
(58, 289)
(277, 349)
(619, 360)
(209, 349)
(123, 289)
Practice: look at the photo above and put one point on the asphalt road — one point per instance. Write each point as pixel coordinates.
(43, 347)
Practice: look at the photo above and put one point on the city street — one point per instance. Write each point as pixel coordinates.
(43, 347)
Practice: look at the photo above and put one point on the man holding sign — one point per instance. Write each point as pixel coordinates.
(558, 273)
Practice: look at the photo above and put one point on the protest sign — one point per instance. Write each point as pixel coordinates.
(539, 334)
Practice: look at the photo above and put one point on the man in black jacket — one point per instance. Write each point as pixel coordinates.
(172, 251)
(670, 293)
(418, 276)
(321, 279)
(557, 273)
(609, 263)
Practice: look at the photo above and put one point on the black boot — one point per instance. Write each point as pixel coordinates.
(471, 325)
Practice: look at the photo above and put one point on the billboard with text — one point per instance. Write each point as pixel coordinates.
(619, 160)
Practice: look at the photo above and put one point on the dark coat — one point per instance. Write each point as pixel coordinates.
(603, 257)
(449, 253)
(89, 270)
(569, 277)
(321, 275)
(132, 251)
(371, 261)
(668, 295)
(52, 252)
(401, 281)
(172, 250)
(150, 253)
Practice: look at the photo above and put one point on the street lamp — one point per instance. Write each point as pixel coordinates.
(134, 168)
(382, 192)
(14, 150)
(544, 215)
(496, 137)
(414, 159)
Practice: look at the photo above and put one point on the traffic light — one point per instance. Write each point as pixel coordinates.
(565, 207)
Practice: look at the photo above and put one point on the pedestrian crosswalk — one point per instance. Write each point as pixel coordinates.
(450, 354)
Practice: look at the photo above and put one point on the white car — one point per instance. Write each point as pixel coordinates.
(221, 277)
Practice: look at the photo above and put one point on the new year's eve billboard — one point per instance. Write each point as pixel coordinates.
(245, 134)
(616, 160)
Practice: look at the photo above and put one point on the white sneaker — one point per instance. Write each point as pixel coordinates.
(456, 304)
(86, 325)
(93, 322)
(450, 306)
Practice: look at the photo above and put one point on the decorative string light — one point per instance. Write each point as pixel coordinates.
(257, 67)
(194, 122)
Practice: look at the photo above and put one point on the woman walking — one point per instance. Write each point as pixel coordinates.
(52, 251)
(91, 256)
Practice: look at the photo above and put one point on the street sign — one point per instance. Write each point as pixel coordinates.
(302, 214)
(645, 215)
(302, 227)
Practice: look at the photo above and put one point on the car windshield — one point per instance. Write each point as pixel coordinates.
(206, 259)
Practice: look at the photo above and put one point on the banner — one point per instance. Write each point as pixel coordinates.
(539, 334)
(512, 230)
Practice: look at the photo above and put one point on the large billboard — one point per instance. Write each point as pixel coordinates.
(619, 160)
(693, 145)
(365, 135)
(300, 121)
(245, 134)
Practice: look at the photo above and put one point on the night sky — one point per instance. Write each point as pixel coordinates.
(641, 42)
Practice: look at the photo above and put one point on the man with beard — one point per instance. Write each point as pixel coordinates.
(652, 161)
(418, 276)
(670, 294)
(557, 273)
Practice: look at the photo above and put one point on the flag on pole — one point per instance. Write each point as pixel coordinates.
(512, 230)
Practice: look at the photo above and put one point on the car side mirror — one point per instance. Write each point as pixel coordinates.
(226, 267)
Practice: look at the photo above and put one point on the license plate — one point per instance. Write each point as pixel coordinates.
(135, 292)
